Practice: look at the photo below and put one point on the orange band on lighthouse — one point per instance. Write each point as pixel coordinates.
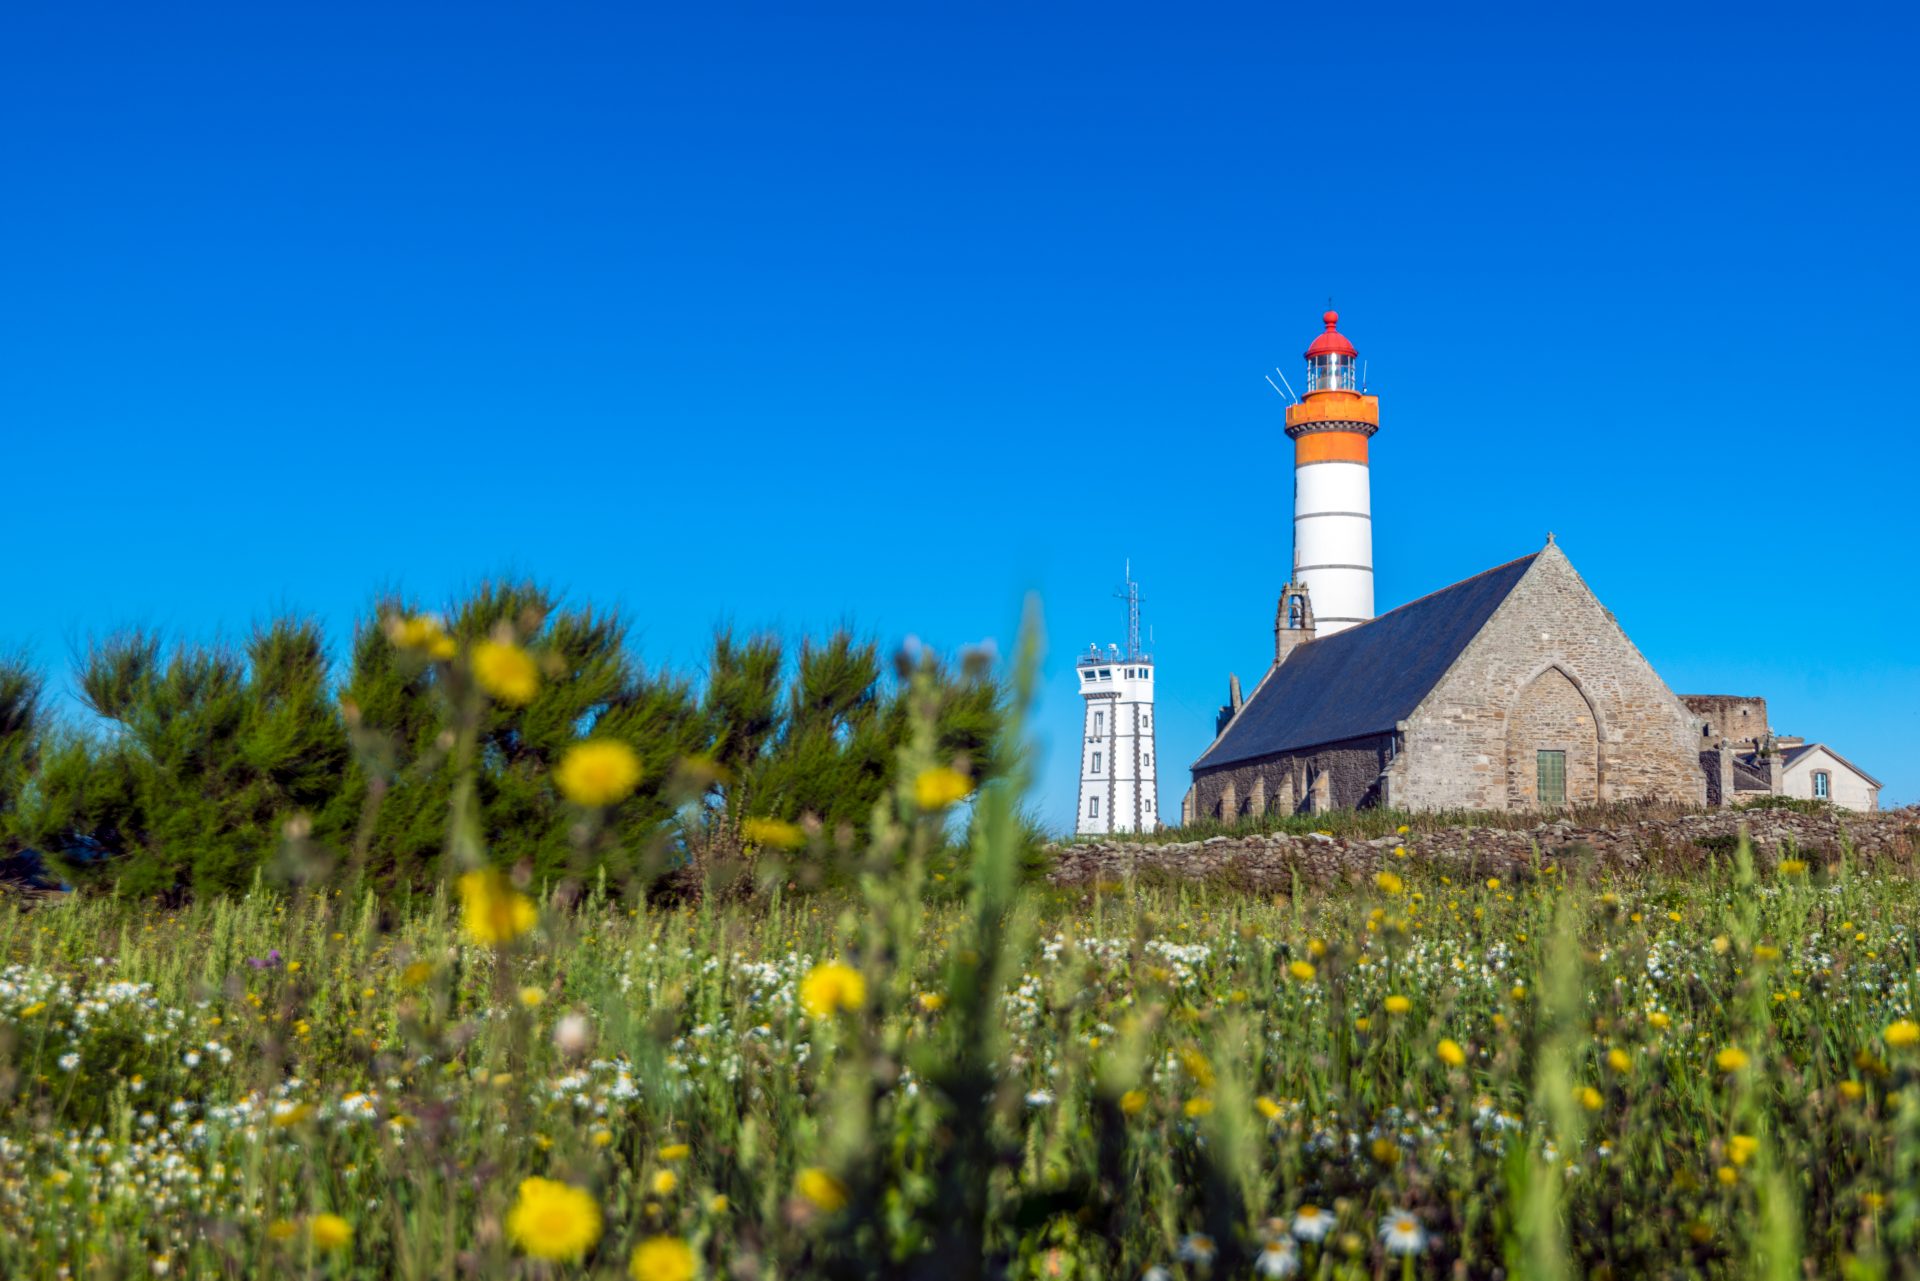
(1329, 447)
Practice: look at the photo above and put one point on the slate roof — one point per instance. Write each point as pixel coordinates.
(1366, 679)
(1793, 754)
(1750, 774)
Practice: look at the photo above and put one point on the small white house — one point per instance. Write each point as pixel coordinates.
(1815, 772)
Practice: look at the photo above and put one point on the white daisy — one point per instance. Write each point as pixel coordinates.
(68, 1062)
(1279, 1258)
(1311, 1223)
(1197, 1247)
(1401, 1233)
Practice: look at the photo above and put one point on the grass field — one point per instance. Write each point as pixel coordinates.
(1711, 1075)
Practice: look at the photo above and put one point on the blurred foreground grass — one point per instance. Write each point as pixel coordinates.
(1707, 1077)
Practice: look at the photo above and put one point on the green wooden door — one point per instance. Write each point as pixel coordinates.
(1553, 780)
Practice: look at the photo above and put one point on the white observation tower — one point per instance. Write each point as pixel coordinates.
(1117, 791)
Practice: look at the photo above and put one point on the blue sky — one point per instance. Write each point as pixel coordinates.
(899, 313)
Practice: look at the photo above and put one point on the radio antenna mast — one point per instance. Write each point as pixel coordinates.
(1130, 593)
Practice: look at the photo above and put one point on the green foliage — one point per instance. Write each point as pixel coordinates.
(212, 766)
(209, 751)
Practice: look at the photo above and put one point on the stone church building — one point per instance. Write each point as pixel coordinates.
(1515, 689)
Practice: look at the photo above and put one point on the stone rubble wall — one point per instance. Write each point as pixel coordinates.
(1272, 861)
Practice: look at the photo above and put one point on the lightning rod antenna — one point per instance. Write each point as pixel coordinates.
(1131, 594)
(1283, 378)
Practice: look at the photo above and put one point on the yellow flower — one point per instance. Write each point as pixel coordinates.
(772, 833)
(939, 787)
(492, 911)
(664, 1182)
(1852, 1091)
(831, 987)
(506, 671)
(1793, 867)
(676, 1152)
(1588, 1097)
(531, 997)
(1450, 1053)
(1316, 948)
(1902, 1032)
(1402, 830)
(422, 632)
(553, 1220)
(663, 1259)
(1384, 1151)
(1731, 1059)
(1363, 1024)
(1765, 952)
(718, 1203)
(1493, 882)
(931, 1002)
(1302, 970)
(820, 1189)
(1727, 1175)
(1267, 1108)
(330, 1232)
(416, 974)
(1388, 882)
(281, 1230)
(1198, 1106)
(601, 1137)
(1741, 1147)
(598, 773)
(1133, 1101)
(1619, 1060)
(1659, 1018)
(1399, 851)
(1397, 1004)
(1197, 1067)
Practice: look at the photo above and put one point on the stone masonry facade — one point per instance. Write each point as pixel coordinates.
(1338, 776)
(1550, 671)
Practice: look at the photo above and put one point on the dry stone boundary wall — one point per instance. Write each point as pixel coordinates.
(1273, 861)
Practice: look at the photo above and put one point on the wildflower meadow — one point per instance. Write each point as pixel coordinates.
(936, 1065)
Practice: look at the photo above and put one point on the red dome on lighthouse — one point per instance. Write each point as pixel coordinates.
(1332, 341)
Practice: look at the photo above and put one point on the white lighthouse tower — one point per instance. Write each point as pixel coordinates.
(1332, 502)
(1117, 772)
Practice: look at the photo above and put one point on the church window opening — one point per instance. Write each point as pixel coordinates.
(1553, 779)
(1822, 785)
(1093, 807)
(1096, 762)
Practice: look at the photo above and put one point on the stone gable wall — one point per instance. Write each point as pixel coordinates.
(1459, 743)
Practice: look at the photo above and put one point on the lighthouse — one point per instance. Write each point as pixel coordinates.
(1332, 506)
